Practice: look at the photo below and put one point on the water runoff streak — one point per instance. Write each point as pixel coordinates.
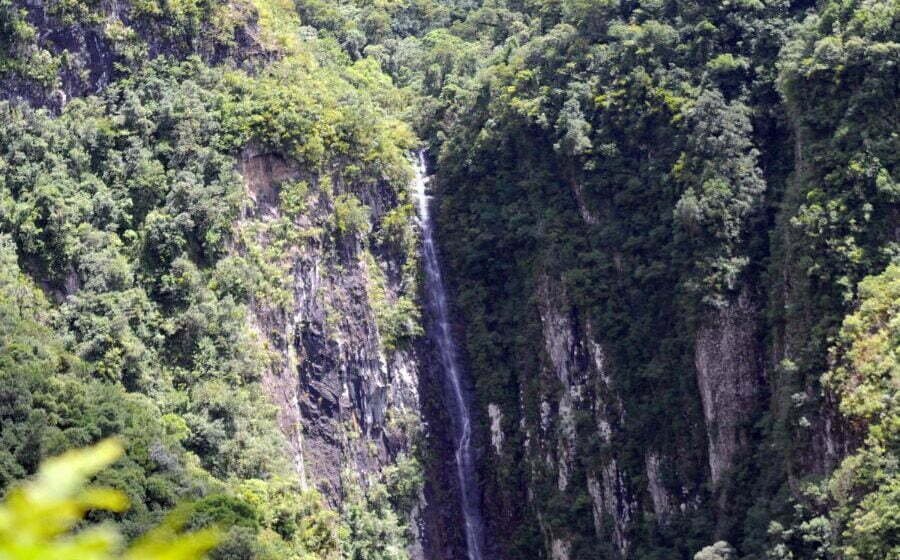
(436, 297)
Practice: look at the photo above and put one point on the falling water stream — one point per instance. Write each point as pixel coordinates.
(458, 407)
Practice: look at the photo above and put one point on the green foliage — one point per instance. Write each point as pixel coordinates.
(835, 69)
(397, 316)
(269, 519)
(723, 186)
(831, 209)
(38, 518)
(404, 481)
(643, 165)
(866, 364)
(371, 528)
(836, 225)
(325, 121)
(351, 217)
(866, 486)
(295, 521)
(293, 198)
(853, 512)
(279, 23)
(719, 550)
(21, 56)
(127, 207)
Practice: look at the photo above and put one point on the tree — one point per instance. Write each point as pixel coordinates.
(865, 489)
(720, 550)
(38, 519)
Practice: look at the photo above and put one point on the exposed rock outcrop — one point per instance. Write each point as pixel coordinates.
(575, 442)
(496, 417)
(729, 376)
(348, 406)
(580, 367)
(662, 501)
(89, 48)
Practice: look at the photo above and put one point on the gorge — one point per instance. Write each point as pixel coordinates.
(450, 279)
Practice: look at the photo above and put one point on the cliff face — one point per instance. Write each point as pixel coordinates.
(347, 403)
(79, 49)
(639, 409)
(313, 263)
(648, 415)
(728, 360)
(578, 376)
(653, 226)
(593, 476)
(576, 441)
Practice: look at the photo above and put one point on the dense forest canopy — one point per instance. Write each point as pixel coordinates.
(671, 232)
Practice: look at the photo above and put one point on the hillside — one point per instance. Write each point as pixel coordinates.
(638, 299)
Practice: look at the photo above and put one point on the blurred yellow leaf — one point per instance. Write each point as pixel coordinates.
(38, 517)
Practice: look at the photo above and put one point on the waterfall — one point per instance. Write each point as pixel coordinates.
(457, 404)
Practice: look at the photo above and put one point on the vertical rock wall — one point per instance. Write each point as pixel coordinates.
(348, 405)
(577, 444)
(579, 382)
(727, 359)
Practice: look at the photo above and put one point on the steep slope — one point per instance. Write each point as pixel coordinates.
(668, 237)
(217, 210)
(642, 179)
